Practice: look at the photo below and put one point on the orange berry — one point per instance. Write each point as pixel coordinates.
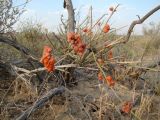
(77, 42)
(85, 30)
(110, 54)
(81, 47)
(100, 61)
(126, 108)
(110, 81)
(75, 48)
(80, 53)
(70, 36)
(106, 28)
(47, 49)
(50, 65)
(77, 36)
(100, 76)
(88, 31)
(47, 59)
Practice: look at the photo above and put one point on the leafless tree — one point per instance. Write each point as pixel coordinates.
(9, 14)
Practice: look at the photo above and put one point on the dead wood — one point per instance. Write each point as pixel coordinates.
(9, 70)
(154, 65)
(15, 44)
(6, 71)
(41, 102)
(140, 21)
(30, 63)
(71, 17)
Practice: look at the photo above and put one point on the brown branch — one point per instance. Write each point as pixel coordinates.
(23, 50)
(71, 18)
(140, 21)
(6, 71)
(19, 47)
(15, 44)
(41, 102)
(154, 65)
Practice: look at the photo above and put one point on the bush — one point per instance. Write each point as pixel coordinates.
(154, 33)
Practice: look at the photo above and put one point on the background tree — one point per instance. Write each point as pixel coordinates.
(9, 14)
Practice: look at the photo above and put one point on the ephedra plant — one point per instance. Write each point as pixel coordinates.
(84, 47)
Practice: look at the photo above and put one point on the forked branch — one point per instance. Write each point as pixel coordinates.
(140, 21)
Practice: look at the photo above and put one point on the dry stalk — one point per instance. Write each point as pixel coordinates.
(144, 106)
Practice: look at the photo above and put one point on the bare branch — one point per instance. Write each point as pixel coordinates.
(140, 21)
(9, 14)
(15, 44)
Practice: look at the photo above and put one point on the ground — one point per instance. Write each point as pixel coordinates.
(87, 100)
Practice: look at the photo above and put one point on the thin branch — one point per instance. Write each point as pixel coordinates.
(115, 9)
(140, 21)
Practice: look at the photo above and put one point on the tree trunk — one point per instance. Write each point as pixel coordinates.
(71, 18)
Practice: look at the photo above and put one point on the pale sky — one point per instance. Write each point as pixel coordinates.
(48, 12)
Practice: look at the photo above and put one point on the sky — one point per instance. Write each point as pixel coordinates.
(48, 12)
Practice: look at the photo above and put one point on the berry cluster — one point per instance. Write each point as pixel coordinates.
(108, 79)
(47, 59)
(75, 40)
(126, 108)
